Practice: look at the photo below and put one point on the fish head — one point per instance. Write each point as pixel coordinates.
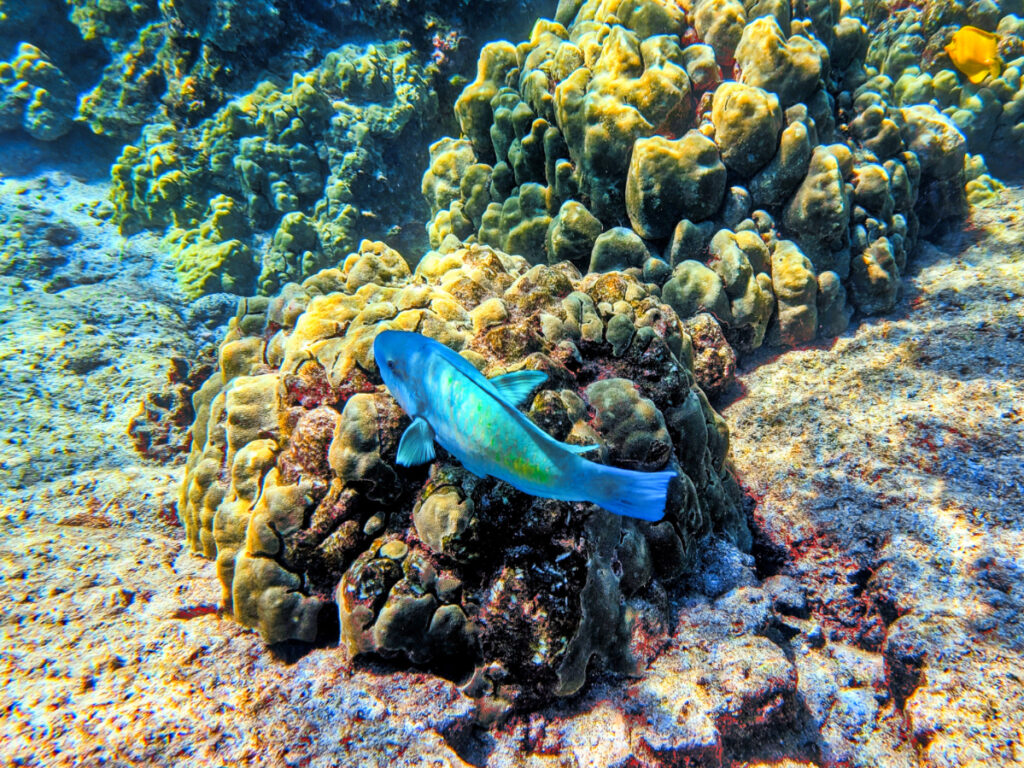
(399, 355)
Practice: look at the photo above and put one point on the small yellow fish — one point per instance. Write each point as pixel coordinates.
(973, 51)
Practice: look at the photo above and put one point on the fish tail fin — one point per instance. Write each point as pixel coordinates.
(631, 494)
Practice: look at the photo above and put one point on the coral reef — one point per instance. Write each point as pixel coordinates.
(878, 626)
(315, 162)
(612, 115)
(619, 116)
(641, 190)
(35, 95)
(159, 430)
(292, 486)
(137, 62)
(913, 59)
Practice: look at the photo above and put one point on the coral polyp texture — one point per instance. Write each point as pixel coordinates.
(135, 62)
(313, 162)
(773, 165)
(292, 484)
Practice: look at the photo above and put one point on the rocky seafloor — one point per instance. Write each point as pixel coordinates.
(876, 621)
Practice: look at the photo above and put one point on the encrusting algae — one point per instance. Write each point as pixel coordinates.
(974, 52)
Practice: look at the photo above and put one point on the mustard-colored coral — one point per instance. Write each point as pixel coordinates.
(601, 119)
(214, 258)
(306, 160)
(293, 485)
(35, 95)
(672, 180)
(747, 123)
(788, 67)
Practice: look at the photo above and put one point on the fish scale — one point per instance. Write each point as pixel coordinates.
(474, 418)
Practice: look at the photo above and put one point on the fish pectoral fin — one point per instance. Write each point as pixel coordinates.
(417, 444)
(579, 448)
(516, 387)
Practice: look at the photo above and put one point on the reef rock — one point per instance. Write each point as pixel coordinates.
(621, 114)
(293, 487)
(313, 161)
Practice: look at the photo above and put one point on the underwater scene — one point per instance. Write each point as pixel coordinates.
(541, 383)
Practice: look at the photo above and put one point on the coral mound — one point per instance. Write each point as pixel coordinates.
(35, 95)
(139, 62)
(819, 125)
(312, 161)
(619, 116)
(293, 488)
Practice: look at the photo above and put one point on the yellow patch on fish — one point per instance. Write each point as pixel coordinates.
(973, 51)
(523, 467)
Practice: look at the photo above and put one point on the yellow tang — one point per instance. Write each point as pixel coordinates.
(973, 51)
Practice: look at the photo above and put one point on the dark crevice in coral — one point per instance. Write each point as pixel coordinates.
(770, 557)
(859, 579)
(888, 609)
(904, 668)
(328, 629)
(798, 741)
(471, 743)
(290, 651)
(780, 633)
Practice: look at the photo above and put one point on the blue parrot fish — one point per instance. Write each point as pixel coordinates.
(476, 420)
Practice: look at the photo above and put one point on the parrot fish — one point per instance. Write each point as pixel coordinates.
(476, 420)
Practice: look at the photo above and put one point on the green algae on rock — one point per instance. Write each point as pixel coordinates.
(292, 483)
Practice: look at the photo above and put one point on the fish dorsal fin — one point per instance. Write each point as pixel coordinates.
(516, 387)
(461, 364)
(577, 449)
(417, 444)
